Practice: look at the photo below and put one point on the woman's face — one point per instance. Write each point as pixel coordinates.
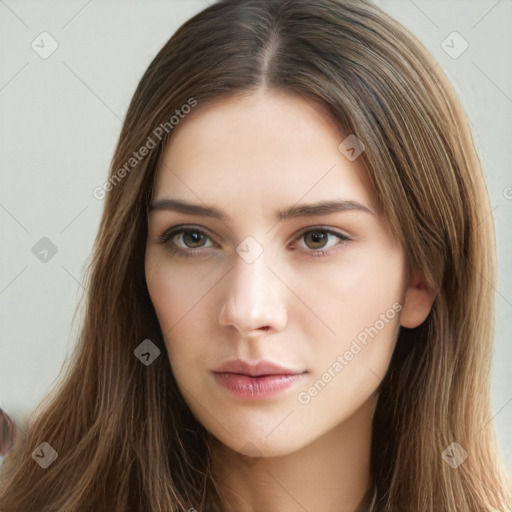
(261, 274)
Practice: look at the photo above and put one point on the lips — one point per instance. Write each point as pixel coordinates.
(256, 381)
(261, 368)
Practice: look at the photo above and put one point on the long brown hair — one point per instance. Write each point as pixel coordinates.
(125, 438)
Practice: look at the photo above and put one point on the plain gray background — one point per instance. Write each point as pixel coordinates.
(60, 117)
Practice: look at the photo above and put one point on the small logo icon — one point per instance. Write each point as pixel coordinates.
(454, 455)
(454, 45)
(44, 45)
(44, 250)
(147, 352)
(44, 455)
(249, 454)
(351, 147)
(249, 249)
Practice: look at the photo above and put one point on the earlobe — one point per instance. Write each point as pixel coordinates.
(418, 300)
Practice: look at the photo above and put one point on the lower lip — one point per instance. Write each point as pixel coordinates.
(265, 386)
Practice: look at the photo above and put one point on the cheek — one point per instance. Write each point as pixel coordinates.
(175, 292)
(370, 292)
(352, 294)
(361, 306)
(179, 299)
(347, 370)
(162, 289)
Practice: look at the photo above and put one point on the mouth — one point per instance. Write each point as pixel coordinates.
(258, 369)
(257, 380)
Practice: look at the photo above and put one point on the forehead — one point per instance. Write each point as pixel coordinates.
(265, 149)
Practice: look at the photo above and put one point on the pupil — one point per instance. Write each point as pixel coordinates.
(318, 237)
(196, 237)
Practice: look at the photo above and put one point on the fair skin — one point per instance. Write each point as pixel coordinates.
(305, 449)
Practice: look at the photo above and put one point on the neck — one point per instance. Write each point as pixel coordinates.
(332, 474)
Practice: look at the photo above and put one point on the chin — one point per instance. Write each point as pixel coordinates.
(257, 445)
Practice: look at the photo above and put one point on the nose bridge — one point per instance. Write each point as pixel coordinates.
(253, 298)
(250, 282)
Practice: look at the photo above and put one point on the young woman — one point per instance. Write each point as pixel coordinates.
(289, 302)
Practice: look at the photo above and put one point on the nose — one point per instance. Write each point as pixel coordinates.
(253, 301)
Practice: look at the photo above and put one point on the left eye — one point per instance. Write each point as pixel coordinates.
(321, 236)
(190, 235)
(193, 239)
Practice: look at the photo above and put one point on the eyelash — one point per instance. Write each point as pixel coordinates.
(169, 234)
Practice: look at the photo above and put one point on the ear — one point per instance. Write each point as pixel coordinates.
(418, 300)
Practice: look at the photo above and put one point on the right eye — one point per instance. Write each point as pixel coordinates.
(184, 241)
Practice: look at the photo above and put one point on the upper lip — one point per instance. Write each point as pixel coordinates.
(255, 369)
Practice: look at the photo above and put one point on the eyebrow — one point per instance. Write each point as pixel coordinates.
(305, 210)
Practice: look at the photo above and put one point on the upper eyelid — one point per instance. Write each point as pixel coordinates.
(176, 230)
